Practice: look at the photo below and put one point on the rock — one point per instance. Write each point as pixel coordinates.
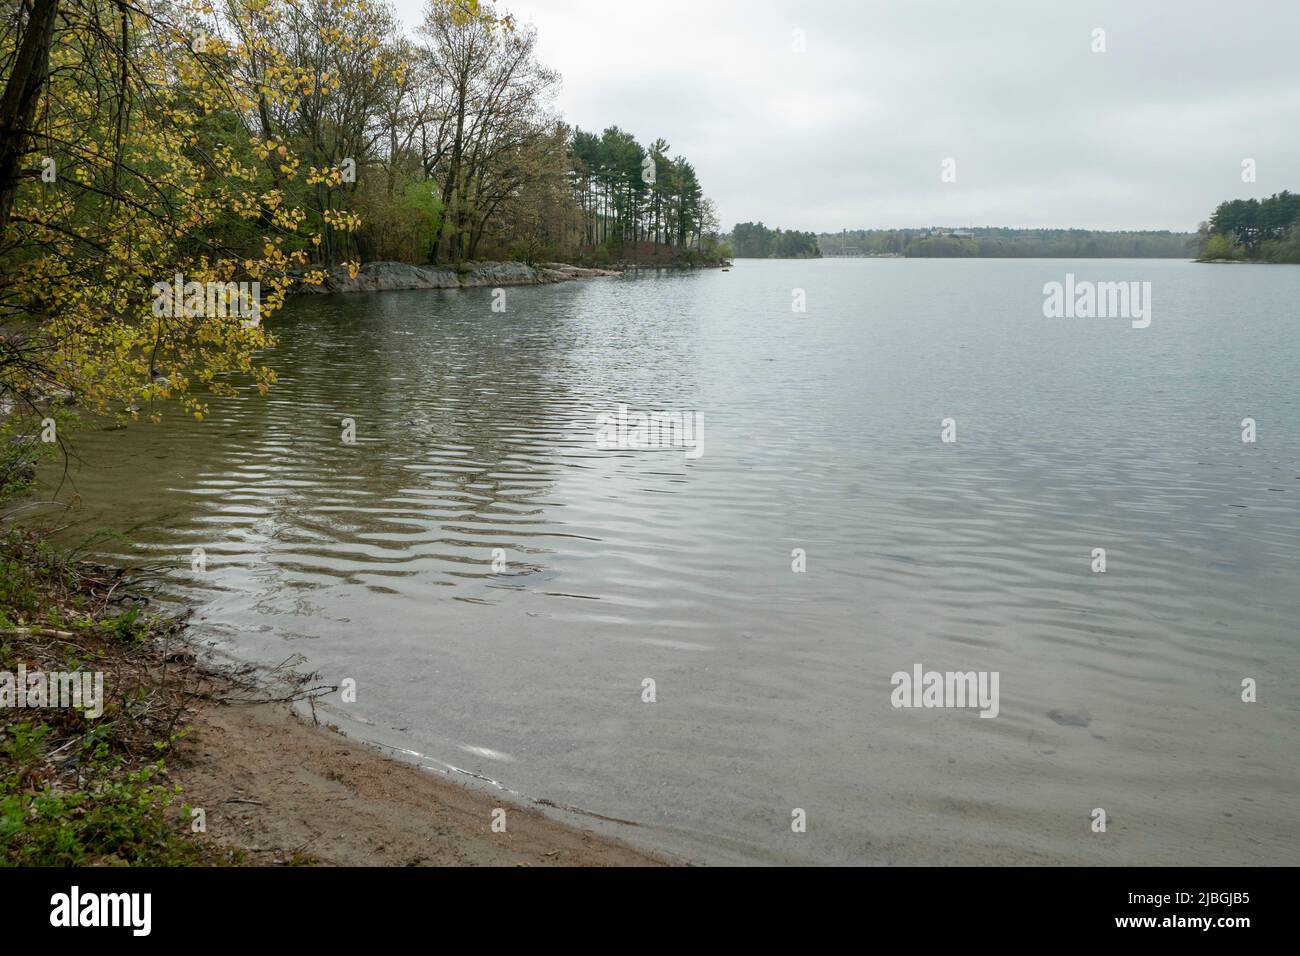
(391, 276)
(385, 276)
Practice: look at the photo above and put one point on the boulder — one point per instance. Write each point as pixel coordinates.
(390, 276)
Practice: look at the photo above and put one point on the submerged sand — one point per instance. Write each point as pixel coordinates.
(286, 790)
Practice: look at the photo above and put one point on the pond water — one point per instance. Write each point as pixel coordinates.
(377, 559)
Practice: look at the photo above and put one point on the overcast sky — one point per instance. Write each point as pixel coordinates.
(853, 131)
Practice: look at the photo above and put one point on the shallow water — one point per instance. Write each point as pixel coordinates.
(474, 431)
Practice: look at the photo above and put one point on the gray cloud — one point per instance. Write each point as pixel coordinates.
(851, 133)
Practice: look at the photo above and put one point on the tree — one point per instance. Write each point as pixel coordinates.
(1263, 228)
(146, 146)
(493, 100)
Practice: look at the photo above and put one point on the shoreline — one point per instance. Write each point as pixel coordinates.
(1243, 262)
(186, 760)
(385, 276)
(279, 787)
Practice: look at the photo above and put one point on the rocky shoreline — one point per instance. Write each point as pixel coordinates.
(395, 276)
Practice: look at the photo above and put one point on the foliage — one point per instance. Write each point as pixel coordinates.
(266, 143)
(114, 815)
(222, 144)
(633, 194)
(1007, 243)
(133, 180)
(76, 790)
(1217, 246)
(403, 225)
(753, 240)
(21, 444)
(1265, 230)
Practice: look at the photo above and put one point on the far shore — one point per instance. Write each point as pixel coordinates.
(1243, 262)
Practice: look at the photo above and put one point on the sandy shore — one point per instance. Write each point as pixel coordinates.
(170, 756)
(283, 789)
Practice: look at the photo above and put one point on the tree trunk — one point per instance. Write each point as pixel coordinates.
(22, 92)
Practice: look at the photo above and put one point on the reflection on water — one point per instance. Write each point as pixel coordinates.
(475, 432)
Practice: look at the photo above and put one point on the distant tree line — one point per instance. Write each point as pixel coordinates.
(753, 240)
(1262, 230)
(1000, 242)
(635, 196)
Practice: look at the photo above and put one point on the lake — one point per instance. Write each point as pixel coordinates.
(475, 430)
